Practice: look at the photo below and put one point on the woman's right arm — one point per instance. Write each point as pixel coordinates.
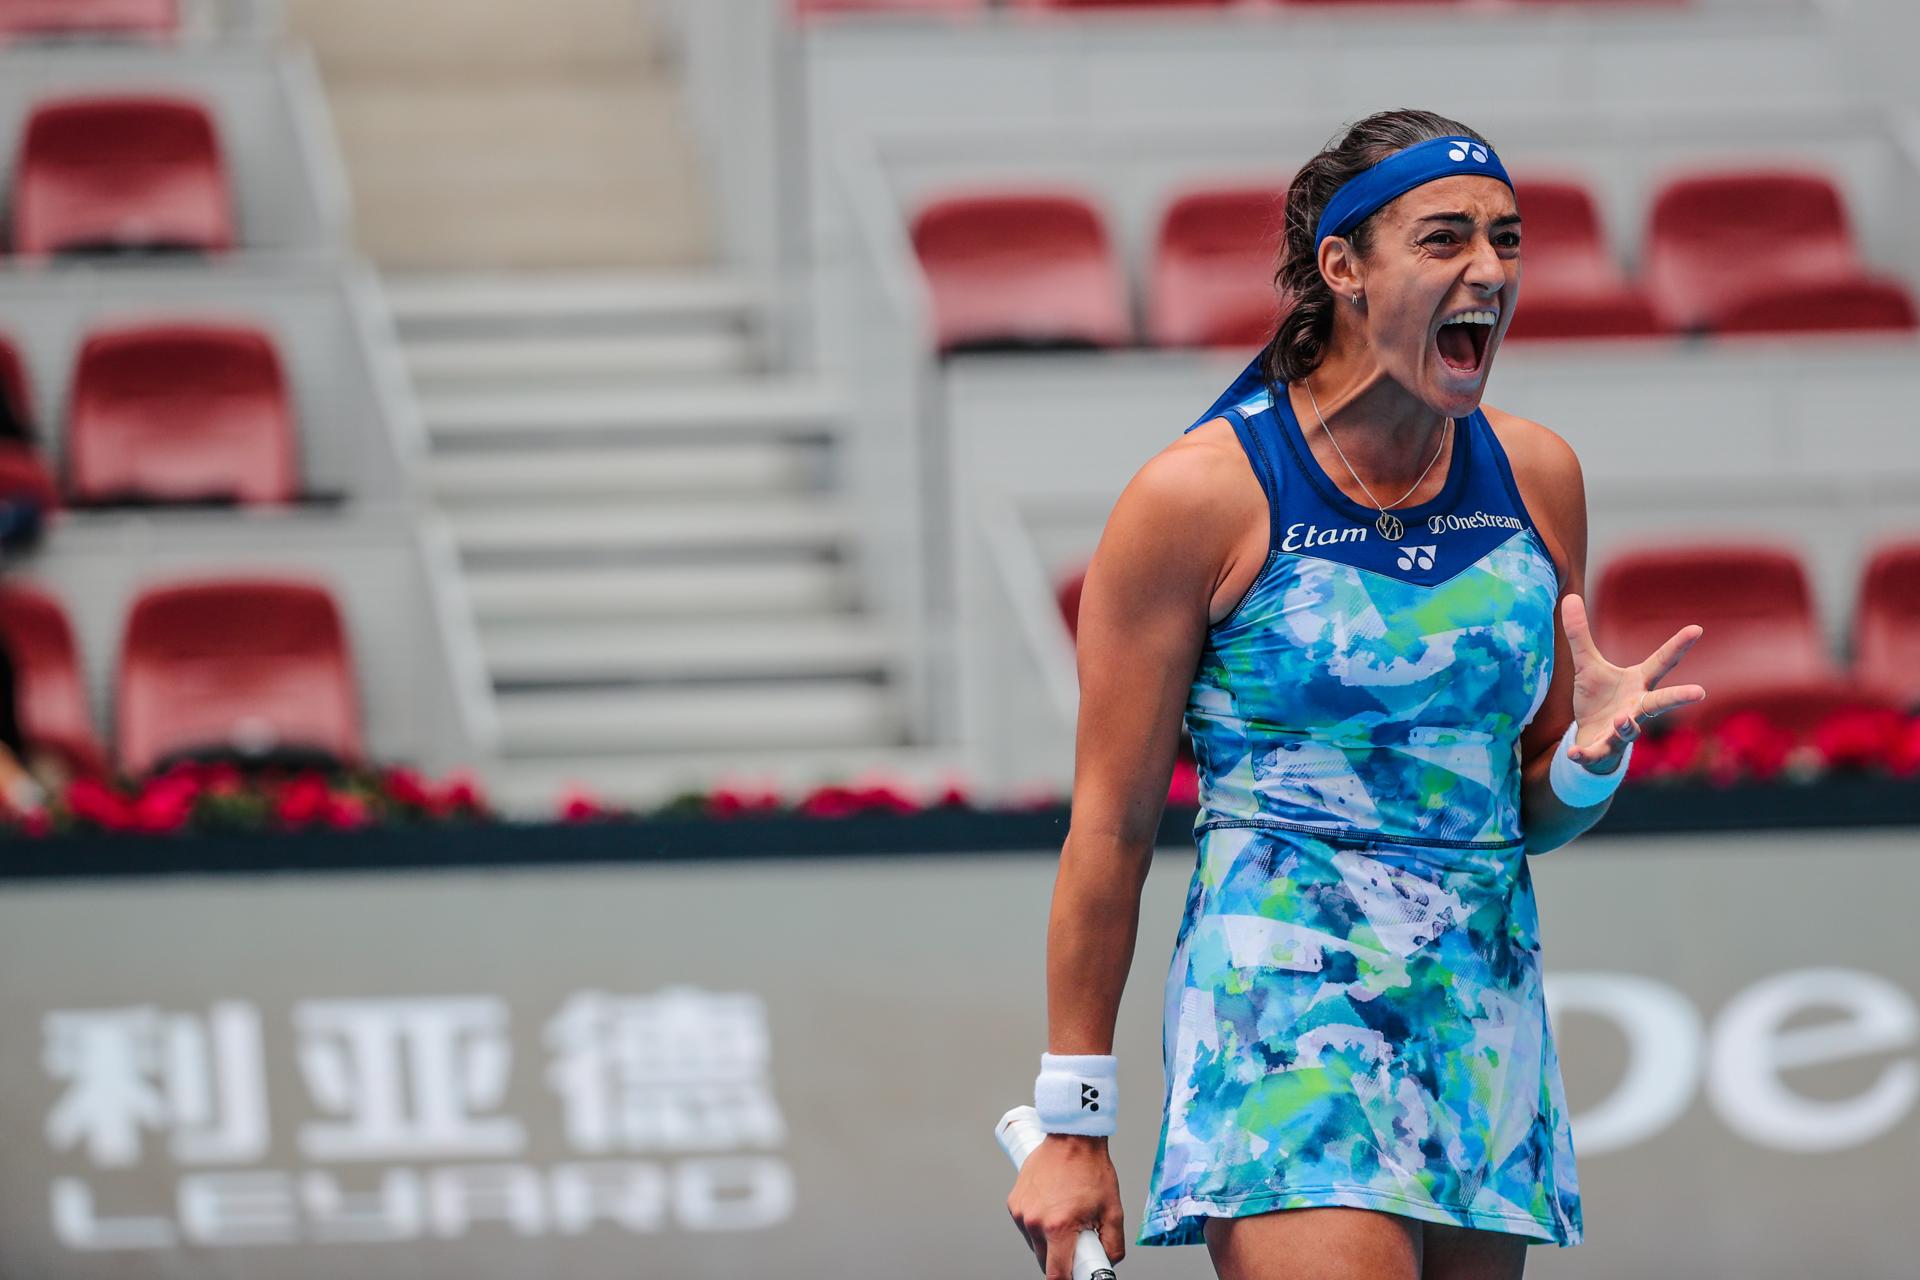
(1143, 619)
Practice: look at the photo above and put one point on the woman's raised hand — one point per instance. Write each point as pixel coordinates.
(1612, 705)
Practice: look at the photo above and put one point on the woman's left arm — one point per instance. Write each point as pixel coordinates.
(1611, 704)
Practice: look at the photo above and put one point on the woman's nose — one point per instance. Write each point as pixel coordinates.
(1486, 272)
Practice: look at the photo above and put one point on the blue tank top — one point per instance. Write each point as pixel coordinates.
(1367, 686)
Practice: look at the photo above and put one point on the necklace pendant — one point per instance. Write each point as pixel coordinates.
(1390, 527)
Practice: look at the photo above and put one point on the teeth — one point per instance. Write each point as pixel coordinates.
(1476, 317)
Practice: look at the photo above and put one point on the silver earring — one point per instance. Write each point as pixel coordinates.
(1356, 298)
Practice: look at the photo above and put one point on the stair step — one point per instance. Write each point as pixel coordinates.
(735, 467)
(530, 653)
(716, 718)
(765, 407)
(730, 590)
(519, 301)
(570, 359)
(786, 524)
(533, 788)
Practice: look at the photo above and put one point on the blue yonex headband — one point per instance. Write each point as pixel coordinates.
(1401, 172)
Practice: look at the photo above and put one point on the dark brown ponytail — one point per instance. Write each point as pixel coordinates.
(1306, 320)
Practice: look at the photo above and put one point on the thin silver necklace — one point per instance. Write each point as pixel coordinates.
(1388, 524)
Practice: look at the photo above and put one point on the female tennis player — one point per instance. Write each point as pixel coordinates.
(1364, 591)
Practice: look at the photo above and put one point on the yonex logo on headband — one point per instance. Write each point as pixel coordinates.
(1368, 191)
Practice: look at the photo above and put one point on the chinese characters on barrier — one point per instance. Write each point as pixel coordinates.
(405, 1128)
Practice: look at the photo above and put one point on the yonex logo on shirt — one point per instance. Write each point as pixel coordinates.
(1421, 556)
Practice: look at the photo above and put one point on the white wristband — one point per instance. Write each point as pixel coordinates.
(1578, 786)
(1078, 1093)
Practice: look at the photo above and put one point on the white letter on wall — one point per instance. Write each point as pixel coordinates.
(1751, 1049)
(1663, 1054)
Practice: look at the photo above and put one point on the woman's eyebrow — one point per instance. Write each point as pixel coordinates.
(1506, 220)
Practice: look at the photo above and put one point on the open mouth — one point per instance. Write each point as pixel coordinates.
(1462, 341)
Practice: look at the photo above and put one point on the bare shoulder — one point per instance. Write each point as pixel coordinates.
(1539, 456)
(1547, 471)
(1197, 476)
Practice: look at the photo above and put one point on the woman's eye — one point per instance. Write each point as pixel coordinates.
(1440, 237)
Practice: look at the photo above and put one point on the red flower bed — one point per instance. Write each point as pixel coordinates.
(1745, 747)
(1748, 746)
(194, 797)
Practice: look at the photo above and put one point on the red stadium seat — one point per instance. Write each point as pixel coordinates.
(1122, 4)
(52, 687)
(180, 412)
(120, 174)
(16, 414)
(1886, 623)
(1827, 306)
(1717, 240)
(1798, 706)
(1753, 602)
(24, 475)
(1020, 268)
(1571, 287)
(88, 17)
(1212, 277)
(246, 665)
(1621, 313)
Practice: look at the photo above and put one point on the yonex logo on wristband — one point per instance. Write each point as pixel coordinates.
(1077, 1093)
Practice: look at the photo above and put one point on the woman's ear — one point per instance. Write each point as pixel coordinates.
(1340, 267)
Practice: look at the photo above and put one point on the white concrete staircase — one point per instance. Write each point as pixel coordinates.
(654, 538)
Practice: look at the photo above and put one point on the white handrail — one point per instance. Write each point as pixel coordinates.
(1017, 567)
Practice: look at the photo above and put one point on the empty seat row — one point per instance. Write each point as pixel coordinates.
(247, 668)
(1754, 251)
(120, 175)
(1755, 604)
(1751, 251)
(173, 412)
(22, 19)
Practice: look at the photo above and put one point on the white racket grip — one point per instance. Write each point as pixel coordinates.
(1020, 1133)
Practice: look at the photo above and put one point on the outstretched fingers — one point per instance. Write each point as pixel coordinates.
(1573, 617)
(1632, 720)
(1660, 701)
(1664, 659)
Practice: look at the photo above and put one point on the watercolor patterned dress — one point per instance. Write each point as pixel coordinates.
(1354, 1013)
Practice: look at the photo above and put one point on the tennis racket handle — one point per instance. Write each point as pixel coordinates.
(1020, 1133)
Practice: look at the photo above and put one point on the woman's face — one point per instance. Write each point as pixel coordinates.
(1442, 251)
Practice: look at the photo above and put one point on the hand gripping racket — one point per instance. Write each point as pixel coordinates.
(1019, 1133)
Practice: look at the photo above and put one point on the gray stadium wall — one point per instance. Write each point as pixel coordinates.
(792, 1067)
